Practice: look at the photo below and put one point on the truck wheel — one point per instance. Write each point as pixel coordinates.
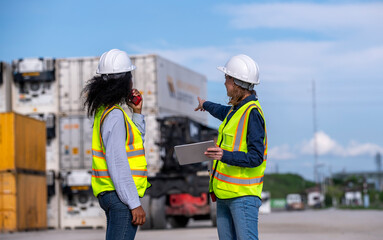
(145, 203)
(178, 221)
(213, 213)
(157, 213)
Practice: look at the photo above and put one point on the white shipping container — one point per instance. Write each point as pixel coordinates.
(169, 89)
(34, 87)
(87, 213)
(75, 142)
(5, 87)
(72, 75)
(79, 208)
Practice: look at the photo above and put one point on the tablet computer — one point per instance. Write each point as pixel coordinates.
(193, 152)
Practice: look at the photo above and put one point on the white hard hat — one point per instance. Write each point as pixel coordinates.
(115, 61)
(243, 68)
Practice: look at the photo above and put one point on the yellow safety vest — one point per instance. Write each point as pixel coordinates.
(135, 153)
(227, 181)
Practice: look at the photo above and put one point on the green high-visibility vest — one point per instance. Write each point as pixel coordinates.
(227, 181)
(135, 154)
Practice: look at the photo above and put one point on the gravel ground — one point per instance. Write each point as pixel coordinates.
(304, 225)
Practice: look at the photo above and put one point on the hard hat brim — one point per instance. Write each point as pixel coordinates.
(129, 69)
(222, 69)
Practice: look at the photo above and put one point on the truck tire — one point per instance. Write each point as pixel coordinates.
(213, 213)
(145, 203)
(157, 213)
(178, 221)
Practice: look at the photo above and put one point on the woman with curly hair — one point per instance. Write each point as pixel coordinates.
(119, 171)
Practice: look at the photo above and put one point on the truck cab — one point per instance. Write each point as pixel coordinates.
(294, 201)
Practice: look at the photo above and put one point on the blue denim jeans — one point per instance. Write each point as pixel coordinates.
(118, 217)
(237, 218)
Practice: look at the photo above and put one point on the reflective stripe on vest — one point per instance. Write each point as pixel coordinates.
(238, 180)
(240, 128)
(104, 172)
(134, 153)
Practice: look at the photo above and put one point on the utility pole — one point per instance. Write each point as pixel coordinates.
(379, 170)
(315, 135)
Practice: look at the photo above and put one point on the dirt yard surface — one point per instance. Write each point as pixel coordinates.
(303, 225)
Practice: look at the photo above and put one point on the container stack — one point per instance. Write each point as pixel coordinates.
(78, 207)
(23, 188)
(35, 94)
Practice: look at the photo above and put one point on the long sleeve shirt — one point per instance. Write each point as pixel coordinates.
(254, 137)
(113, 132)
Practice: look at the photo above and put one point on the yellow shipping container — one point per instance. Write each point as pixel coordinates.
(22, 143)
(23, 201)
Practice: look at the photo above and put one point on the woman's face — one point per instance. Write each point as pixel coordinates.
(229, 84)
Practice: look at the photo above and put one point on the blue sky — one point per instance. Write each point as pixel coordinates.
(337, 44)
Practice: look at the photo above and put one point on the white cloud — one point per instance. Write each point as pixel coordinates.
(355, 149)
(328, 146)
(324, 145)
(282, 152)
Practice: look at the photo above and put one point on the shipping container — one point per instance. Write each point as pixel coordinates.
(5, 87)
(169, 89)
(22, 143)
(72, 75)
(75, 143)
(23, 201)
(34, 88)
(79, 208)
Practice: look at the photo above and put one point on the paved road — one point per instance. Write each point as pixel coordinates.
(304, 225)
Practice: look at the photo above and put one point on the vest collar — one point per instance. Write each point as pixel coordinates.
(252, 97)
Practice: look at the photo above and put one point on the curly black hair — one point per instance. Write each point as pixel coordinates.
(106, 91)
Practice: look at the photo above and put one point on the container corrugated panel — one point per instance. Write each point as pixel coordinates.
(72, 75)
(75, 142)
(23, 201)
(22, 143)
